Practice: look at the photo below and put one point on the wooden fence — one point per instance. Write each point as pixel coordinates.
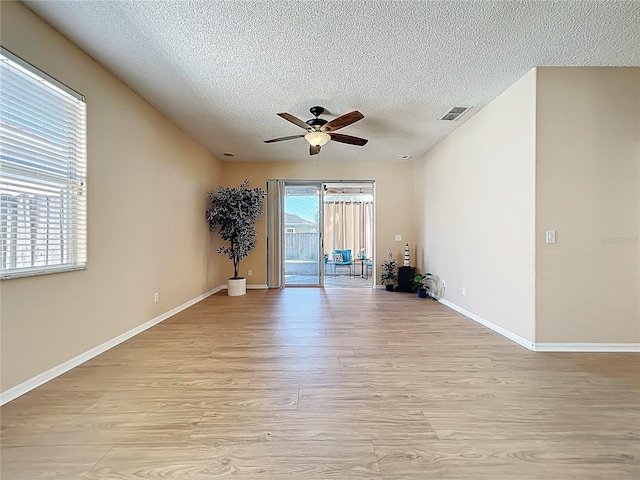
(301, 246)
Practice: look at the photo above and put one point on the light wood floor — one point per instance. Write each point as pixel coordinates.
(340, 384)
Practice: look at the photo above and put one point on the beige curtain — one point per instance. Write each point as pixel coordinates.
(275, 272)
(348, 225)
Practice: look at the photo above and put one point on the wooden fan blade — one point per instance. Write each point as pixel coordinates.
(339, 137)
(282, 139)
(294, 120)
(314, 149)
(343, 121)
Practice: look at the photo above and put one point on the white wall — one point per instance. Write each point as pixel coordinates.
(559, 150)
(588, 190)
(476, 192)
(147, 184)
(393, 205)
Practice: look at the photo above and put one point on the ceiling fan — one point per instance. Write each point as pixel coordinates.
(320, 131)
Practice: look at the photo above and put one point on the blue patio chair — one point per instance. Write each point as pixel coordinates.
(368, 267)
(342, 258)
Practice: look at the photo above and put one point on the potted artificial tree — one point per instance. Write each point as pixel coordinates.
(235, 210)
(389, 272)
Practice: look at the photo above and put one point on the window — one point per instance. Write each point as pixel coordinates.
(43, 201)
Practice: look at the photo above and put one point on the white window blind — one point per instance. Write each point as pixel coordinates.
(43, 201)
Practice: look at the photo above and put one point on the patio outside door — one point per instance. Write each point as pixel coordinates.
(303, 259)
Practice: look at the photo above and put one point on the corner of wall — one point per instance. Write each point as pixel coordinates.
(478, 227)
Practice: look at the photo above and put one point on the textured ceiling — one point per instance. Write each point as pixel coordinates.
(221, 70)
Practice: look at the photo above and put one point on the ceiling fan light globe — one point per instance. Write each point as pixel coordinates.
(317, 139)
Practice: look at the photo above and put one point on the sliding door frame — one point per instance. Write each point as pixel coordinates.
(275, 227)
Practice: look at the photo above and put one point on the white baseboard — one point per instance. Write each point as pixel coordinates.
(587, 347)
(545, 347)
(54, 372)
(496, 328)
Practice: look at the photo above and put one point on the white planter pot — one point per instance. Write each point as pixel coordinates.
(236, 287)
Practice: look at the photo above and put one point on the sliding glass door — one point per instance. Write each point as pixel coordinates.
(302, 237)
(309, 222)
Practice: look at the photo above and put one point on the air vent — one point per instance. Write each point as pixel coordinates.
(454, 113)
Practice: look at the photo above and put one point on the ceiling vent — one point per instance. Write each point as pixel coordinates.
(454, 113)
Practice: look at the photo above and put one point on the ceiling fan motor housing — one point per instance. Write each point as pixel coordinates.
(316, 111)
(316, 123)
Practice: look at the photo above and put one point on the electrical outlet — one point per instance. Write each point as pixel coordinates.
(249, 272)
(156, 297)
(464, 290)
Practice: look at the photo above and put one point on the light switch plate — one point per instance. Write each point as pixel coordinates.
(551, 236)
(398, 238)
